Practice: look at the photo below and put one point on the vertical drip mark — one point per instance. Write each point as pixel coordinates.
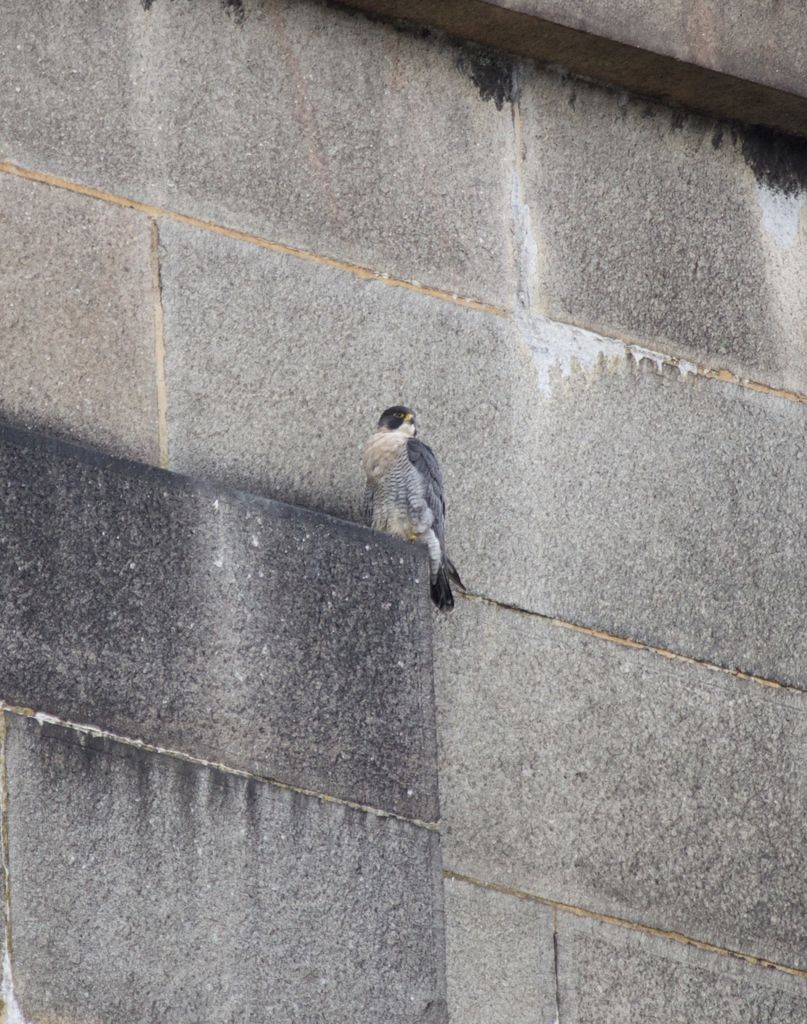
(525, 249)
(524, 244)
(9, 1010)
(8, 988)
(555, 962)
(159, 347)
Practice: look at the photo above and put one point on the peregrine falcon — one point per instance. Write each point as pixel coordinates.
(404, 495)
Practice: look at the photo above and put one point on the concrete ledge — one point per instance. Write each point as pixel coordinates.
(237, 629)
(734, 61)
(145, 888)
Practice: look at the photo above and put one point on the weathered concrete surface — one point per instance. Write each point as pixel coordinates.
(622, 782)
(665, 227)
(612, 975)
(665, 507)
(278, 391)
(236, 629)
(145, 888)
(500, 958)
(692, 540)
(77, 318)
(735, 60)
(291, 120)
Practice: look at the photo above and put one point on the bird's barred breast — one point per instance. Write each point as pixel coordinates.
(398, 505)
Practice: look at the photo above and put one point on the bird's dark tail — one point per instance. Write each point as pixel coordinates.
(453, 575)
(441, 591)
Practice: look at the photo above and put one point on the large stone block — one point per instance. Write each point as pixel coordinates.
(622, 782)
(77, 318)
(666, 227)
(147, 889)
(612, 975)
(500, 957)
(236, 629)
(291, 120)
(662, 506)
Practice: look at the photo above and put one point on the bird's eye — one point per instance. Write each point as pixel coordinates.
(399, 415)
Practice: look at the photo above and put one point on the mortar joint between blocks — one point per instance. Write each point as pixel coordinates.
(559, 907)
(636, 645)
(159, 346)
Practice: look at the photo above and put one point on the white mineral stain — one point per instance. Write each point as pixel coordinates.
(14, 1014)
(781, 214)
(561, 350)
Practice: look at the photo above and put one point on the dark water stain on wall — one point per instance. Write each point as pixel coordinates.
(491, 72)
(406, 28)
(677, 119)
(778, 160)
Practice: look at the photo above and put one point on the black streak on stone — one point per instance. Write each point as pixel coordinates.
(777, 160)
(232, 7)
(677, 119)
(717, 136)
(235, 8)
(492, 74)
(406, 28)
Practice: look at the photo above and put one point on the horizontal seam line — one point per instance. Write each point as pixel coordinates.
(179, 755)
(365, 273)
(723, 376)
(622, 922)
(638, 645)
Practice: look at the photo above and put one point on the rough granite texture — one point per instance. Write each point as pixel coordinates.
(291, 120)
(692, 538)
(236, 629)
(500, 957)
(612, 975)
(622, 782)
(649, 223)
(76, 318)
(187, 894)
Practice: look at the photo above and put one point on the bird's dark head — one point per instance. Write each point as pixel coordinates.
(398, 417)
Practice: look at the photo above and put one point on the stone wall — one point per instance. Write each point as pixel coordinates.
(232, 233)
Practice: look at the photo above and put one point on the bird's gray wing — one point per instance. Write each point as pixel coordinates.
(425, 462)
(367, 505)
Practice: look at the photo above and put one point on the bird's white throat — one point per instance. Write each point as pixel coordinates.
(381, 451)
